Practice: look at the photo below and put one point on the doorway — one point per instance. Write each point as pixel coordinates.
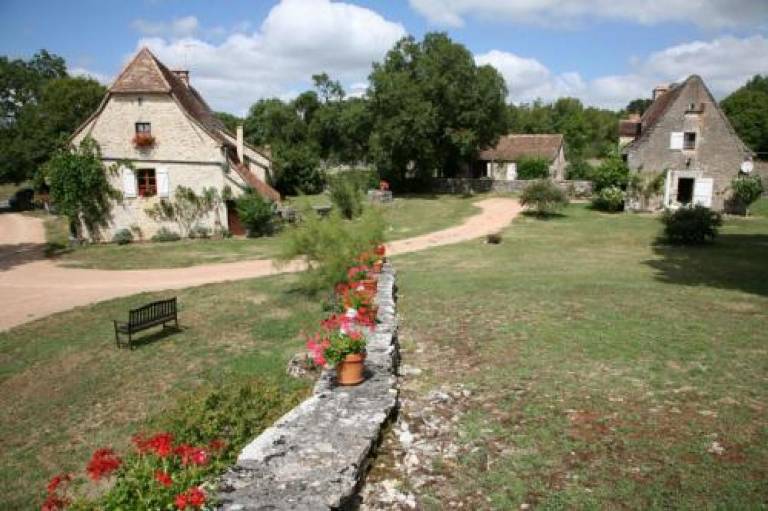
(235, 226)
(685, 190)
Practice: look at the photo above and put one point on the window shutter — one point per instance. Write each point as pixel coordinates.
(163, 183)
(129, 183)
(676, 140)
(702, 192)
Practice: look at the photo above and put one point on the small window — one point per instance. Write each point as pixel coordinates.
(144, 127)
(147, 182)
(689, 141)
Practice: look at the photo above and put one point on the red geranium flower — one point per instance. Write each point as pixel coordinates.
(190, 454)
(163, 478)
(54, 503)
(181, 501)
(102, 463)
(193, 497)
(57, 481)
(380, 250)
(217, 444)
(160, 444)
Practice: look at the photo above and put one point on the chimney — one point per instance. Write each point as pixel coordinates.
(240, 143)
(660, 90)
(183, 75)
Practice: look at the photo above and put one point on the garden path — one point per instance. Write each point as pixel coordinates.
(32, 287)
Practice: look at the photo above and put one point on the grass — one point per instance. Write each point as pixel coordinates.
(65, 389)
(604, 364)
(407, 216)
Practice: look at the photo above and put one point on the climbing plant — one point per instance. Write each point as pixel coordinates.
(187, 207)
(79, 187)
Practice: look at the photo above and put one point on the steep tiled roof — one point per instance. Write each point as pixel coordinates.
(513, 146)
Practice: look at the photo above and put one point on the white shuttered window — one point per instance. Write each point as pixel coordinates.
(163, 183)
(129, 183)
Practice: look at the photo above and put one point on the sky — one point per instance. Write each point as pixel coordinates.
(604, 52)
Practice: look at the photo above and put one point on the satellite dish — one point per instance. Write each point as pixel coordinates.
(747, 167)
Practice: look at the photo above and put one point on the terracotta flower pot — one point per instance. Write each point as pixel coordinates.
(377, 266)
(350, 370)
(369, 284)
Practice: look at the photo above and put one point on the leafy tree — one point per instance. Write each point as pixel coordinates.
(231, 122)
(638, 106)
(432, 108)
(80, 188)
(613, 172)
(532, 168)
(579, 170)
(330, 90)
(297, 169)
(747, 109)
(746, 190)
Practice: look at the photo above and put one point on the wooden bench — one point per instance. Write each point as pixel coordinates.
(147, 316)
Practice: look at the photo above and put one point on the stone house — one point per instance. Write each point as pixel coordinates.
(686, 136)
(500, 162)
(153, 118)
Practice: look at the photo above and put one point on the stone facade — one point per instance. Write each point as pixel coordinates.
(664, 144)
(191, 148)
(316, 456)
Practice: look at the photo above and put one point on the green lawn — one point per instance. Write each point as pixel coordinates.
(604, 365)
(66, 390)
(407, 216)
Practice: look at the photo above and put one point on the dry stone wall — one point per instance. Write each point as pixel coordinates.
(315, 456)
(467, 185)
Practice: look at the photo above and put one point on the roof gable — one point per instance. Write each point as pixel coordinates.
(142, 74)
(515, 146)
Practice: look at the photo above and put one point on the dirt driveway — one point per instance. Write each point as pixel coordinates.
(32, 287)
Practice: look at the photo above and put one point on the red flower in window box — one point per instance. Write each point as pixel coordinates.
(143, 140)
(383, 185)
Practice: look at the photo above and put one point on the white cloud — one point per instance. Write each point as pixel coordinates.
(724, 63)
(298, 38)
(87, 73)
(704, 13)
(179, 27)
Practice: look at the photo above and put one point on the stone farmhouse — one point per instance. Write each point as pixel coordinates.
(500, 162)
(685, 135)
(153, 118)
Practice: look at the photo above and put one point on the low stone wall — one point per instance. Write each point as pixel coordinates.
(316, 455)
(470, 185)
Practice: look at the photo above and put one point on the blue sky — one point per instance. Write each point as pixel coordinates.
(603, 51)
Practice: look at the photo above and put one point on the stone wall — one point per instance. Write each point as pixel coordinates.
(467, 185)
(315, 456)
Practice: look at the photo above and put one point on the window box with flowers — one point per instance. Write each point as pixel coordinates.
(143, 139)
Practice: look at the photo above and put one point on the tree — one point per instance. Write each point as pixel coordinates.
(638, 106)
(330, 90)
(80, 188)
(231, 122)
(747, 109)
(432, 108)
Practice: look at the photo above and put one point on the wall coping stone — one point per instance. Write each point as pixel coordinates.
(315, 456)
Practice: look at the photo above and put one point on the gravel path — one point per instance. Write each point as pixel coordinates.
(32, 287)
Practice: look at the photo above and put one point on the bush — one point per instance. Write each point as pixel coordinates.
(544, 197)
(328, 245)
(256, 213)
(363, 179)
(579, 170)
(347, 197)
(165, 234)
(532, 168)
(609, 199)
(297, 170)
(200, 232)
(746, 190)
(123, 237)
(613, 172)
(691, 226)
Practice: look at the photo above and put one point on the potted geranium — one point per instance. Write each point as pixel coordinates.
(342, 345)
(362, 275)
(143, 140)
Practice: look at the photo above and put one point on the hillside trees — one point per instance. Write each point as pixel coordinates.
(747, 109)
(40, 107)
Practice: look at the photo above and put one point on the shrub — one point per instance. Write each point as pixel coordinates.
(691, 226)
(363, 179)
(165, 234)
(328, 245)
(123, 237)
(613, 172)
(532, 168)
(256, 213)
(200, 232)
(609, 199)
(347, 197)
(297, 169)
(579, 170)
(544, 197)
(746, 190)
(187, 207)
(221, 233)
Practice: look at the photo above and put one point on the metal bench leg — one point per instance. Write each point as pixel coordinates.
(117, 336)
(130, 341)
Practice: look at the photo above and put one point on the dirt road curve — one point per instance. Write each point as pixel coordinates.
(32, 287)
